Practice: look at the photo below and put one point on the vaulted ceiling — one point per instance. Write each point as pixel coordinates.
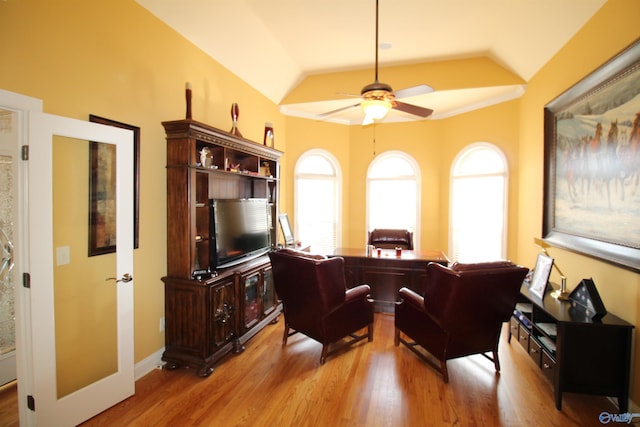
(274, 45)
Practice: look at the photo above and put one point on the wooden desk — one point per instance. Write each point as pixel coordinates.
(387, 273)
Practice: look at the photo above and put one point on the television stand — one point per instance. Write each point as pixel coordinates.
(209, 312)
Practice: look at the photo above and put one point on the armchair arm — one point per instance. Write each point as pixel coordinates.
(412, 297)
(357, 293)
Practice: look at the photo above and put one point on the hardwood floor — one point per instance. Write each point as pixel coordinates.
(372, 384)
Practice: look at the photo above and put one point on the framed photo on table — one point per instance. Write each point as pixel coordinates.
(540, 276)
(289, 240)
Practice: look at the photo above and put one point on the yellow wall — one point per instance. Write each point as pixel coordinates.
(441, 75)
(612, 29)
(116, 60)
(432, 143)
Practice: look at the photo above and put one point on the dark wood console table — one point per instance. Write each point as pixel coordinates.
(387, 273)
(576, 354)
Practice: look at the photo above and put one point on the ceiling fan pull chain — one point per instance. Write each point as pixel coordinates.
(374, 140)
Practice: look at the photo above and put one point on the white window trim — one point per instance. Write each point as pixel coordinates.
(337, 178)
(418, 178)
(505, 205)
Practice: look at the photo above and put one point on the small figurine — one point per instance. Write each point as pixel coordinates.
(265, 169)
(205, 157)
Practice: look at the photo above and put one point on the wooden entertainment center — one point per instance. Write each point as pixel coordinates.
(210, 312)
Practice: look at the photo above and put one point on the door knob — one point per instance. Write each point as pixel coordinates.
(126, 278)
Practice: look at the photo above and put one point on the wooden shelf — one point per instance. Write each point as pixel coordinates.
(210, 313)
(577, 354)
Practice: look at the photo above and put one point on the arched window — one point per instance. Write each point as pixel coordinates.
(393, 188)
(317, 194)
(478, 211)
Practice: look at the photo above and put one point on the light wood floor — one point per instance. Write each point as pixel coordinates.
(373, 384)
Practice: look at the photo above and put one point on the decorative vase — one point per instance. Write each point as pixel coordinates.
(268, 135)
(187, 94)
(235, 113)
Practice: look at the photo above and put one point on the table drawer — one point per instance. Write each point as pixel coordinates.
(514, 325)
(548, 365)
(523, 337)
(535, 351)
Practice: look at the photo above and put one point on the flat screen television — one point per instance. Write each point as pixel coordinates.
(240, 230)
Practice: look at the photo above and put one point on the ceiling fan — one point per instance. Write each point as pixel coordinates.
(378, 98)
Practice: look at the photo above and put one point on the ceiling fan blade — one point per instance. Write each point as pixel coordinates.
(413, 109)
(413, 91)
(330, 113)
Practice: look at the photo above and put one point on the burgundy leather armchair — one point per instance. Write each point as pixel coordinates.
(316, 301)
(461, 312)
(387, 238)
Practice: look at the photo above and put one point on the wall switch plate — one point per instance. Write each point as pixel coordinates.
(63, 255)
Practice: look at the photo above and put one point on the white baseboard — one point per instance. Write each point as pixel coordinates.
(148, 364)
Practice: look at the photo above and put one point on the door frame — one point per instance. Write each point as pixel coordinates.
(22, 105)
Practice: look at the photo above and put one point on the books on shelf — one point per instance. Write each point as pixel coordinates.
(548, 328)
(523, 313)
(524, 307)
(548, 343)
(524, 320)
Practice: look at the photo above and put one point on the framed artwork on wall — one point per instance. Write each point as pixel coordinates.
(102, 191)
(592, 164)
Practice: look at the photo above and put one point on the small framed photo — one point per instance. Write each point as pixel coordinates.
(286, 229)
(540, 276)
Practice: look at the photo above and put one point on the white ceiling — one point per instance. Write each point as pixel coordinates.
(273, 45)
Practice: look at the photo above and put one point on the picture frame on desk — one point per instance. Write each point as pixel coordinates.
(540, 276)
(285, 225)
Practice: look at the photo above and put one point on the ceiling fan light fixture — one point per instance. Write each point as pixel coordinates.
(375, 109)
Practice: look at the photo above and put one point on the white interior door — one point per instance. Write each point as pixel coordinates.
(81, 320)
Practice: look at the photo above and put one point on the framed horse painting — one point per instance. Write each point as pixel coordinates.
(592, 164)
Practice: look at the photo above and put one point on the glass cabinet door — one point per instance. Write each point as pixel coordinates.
(251, 301)
(268, 292)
